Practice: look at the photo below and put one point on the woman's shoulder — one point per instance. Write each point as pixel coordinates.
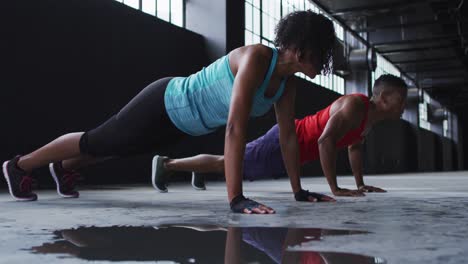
(255, 51)
(255, 57)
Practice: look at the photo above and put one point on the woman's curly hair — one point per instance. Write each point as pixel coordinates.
(309, 33)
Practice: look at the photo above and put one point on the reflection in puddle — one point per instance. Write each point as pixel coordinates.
(199, 244)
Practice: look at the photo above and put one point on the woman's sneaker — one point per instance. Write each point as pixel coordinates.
(65, 180)
(198, 181)
(19, 182)
(159, 174)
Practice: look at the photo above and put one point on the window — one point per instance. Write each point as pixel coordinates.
(261, 17)
(423, 111)
(169, 10)
(331, 81)
(252, 22)
(339, 30)
(384, 67)
(446, 127)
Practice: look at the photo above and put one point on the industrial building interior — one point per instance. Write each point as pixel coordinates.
(68, 65)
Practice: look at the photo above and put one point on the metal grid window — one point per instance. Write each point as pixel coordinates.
(384, 67)
(261, 17)
(447, 125)
(171, 11)
(252, 22)
(424, 117)
(423, 111)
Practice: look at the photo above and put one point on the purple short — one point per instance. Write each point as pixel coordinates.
(263, 158)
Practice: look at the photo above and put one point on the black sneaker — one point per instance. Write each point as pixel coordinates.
(159, 174)
(19, 182)
(65, 180)
(198, 181)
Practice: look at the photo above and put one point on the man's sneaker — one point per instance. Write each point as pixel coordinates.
(198, 181)
(19, 182)
(159, 174)
(65, 180)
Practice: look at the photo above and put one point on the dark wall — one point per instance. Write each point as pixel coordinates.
(463, 126)
(427, 150)
(391, 147)
(398, 146)
(68, 65)
(448, 159)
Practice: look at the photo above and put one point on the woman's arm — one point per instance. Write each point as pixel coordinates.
(251, 69)
(285, 111)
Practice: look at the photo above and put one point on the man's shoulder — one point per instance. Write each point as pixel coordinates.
(353, 103)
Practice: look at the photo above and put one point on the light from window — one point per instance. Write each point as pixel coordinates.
(132, 3)
(423, 112)
(384, 67)
(169, 10)
(177, 12)
(163, 10)
(446, 128)
(149, 7)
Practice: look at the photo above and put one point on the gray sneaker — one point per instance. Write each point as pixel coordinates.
(198, 181)
(159, 174)
(19, 182)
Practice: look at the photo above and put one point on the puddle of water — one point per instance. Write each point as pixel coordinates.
(198, 244)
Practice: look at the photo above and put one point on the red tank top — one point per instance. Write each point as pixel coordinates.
(310, 128)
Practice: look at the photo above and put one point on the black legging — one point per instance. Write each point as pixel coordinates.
(142, 126)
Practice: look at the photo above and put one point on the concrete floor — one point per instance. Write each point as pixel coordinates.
(422, 219)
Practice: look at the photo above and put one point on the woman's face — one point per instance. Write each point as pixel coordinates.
(310, 70)
(308, 65)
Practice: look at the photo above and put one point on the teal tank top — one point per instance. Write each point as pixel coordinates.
(199, 104)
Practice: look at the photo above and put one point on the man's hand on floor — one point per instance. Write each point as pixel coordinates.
(368, 188)
(306, 196)
(348, 192)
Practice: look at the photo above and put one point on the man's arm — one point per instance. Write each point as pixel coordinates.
(348, 116)
(355, 159)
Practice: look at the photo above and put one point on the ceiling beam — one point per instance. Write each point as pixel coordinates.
(419, 40)
(343, 24)
(409, 25)
(398, 51)
(437, 69)
(425, 60)
(443, 76)
(442, 87)
(377, 7)
(435, 82)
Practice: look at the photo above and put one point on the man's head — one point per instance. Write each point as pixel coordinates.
(389, 94)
